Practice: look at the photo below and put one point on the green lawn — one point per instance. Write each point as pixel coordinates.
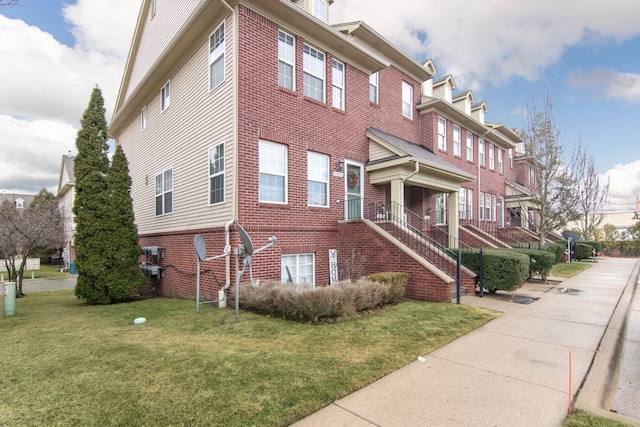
(584, 419)
(563, 269)
(66, 363)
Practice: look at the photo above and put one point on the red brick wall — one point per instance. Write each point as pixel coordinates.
(382, 256)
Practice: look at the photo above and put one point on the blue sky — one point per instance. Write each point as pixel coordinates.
(506, 51)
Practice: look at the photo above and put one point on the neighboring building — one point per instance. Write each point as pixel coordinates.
(20, 201)
(327, 136)
(66, 195)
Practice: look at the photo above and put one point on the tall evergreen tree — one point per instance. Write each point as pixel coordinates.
(91, 205)
(123, 246)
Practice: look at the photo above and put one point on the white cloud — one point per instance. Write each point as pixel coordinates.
(624, 186)
(32, 152)
(46, 86)
(608, 84)
(493, 40)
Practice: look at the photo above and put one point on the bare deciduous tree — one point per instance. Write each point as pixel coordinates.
(21, 230)
(592, 192)
(543, 139)
(13, 2)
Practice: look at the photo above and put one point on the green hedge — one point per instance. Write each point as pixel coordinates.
(540, 262)
(397, 282)
(557, 248)
(582, 251)
(504, 270)
(593, 244)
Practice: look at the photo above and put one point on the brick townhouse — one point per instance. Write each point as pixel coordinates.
(260, 113)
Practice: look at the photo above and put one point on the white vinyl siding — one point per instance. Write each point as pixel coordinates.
(273, 172)
(374, 88)
(317, 179)
(165, 96)
(164, 192)
(407, 100)
(216, 174)
(442, 133)
(337, 79)
(179, 137)
(299, 268)
(286, 60)
(457, 149)
(313, 72)
(216, 57)
(143, 118)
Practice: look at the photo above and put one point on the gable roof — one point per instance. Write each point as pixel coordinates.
(401, 148)
(67, 177)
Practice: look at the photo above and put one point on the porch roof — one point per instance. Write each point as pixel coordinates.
(521, 195)
(391, 157)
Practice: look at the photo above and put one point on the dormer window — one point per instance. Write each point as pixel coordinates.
(19, 203)
(447, 93)
(320, 10)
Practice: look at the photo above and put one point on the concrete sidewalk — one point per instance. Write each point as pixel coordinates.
(513, 371)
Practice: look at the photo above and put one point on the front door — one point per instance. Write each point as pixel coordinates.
(353, 190)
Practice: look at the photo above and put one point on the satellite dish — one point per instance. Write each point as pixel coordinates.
(201, 247)
(246, 241)
(568, 234)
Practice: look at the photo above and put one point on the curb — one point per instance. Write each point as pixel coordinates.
(597, 392)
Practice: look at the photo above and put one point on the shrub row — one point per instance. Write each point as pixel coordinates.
(504, 270)
(342, 299)
(540, 262)
(557, 248)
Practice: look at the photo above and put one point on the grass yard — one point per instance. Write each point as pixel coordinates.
(66, 363)
(563, 269)
(584, 419)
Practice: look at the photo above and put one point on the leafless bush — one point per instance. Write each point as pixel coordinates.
(290, 301)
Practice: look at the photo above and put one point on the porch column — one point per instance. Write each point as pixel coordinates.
(397, 198)
(452, 203)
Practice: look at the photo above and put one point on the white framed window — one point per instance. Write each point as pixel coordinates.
(320, 10)
(273, 172)
(314, 74)
(374, 88)
(481, 156)
(442, 133)
(317, 179)
(500, 160)
(143, 118)
(487, 207)
(463, 203)
(165, 95)
(164, 192)
(407, 100)
(298, 269)
(20, 203)
(492, 160)
(441, 208)
(216, 174)
(493, 207)
(469, 146)
(511, 158)
(457, 149)
(481, 207)
(470, 199)
(337, 80)
(501, 212)
(286, 60)
(216, 57)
